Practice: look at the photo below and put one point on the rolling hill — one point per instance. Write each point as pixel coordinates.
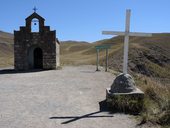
(149, 56)
(6, 49)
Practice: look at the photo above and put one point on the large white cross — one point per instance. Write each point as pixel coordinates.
(127, 33)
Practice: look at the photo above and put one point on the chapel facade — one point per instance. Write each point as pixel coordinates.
(38, 49)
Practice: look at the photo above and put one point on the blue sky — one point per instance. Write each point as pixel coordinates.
(83, 20)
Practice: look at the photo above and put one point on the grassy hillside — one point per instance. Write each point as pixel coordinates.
(78, 53)
(71, 53)
(147, 56)
(6, 49)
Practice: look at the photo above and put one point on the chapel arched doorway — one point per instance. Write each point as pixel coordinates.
(38, 58)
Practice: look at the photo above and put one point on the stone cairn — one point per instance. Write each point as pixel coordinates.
(124, 96)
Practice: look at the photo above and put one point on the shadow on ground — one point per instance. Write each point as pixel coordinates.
(88, 71)
(13, 71)
(103, 108)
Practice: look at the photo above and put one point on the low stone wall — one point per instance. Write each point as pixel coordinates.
(125, 102)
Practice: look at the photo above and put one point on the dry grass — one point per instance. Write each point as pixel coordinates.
(157, 101)
(6, 49)
(6, 62)
(82, 53)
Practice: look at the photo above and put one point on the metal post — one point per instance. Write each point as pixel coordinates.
(106, 67)
(97, 61)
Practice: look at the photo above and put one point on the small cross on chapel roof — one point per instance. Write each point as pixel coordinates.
(35, 9)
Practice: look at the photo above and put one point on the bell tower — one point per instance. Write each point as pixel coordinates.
(36, 49)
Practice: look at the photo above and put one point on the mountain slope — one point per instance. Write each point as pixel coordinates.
(6, 49)
(148, 56)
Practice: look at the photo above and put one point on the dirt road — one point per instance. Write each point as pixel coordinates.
(67, 98)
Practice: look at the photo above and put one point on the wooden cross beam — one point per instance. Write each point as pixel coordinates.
(127, 34)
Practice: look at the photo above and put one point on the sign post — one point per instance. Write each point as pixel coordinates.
(106, 47)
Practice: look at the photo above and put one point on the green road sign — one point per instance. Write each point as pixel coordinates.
(103, 47)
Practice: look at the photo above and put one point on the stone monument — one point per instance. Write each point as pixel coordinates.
(36, 49)
(123, 94)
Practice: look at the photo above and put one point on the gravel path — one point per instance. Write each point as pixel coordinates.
(67, 98)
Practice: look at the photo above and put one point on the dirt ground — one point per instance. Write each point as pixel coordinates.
(67, 98)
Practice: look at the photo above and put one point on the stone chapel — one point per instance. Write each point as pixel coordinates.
(36, 49)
